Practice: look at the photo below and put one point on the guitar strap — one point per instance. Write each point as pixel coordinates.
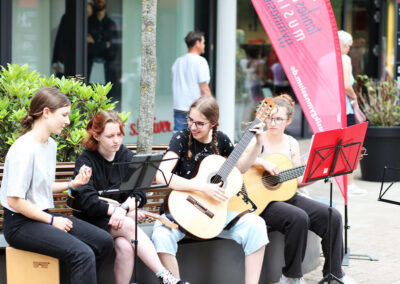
(246, 200)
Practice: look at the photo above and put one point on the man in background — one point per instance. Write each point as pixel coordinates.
(101, 39)
(190, 78)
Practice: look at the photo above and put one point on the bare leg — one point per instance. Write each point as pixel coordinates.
(350, 179)
(253, 265)
(123, 265)
(146, 251)
(170, 262)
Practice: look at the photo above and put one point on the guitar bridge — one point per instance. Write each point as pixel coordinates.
(199, 206)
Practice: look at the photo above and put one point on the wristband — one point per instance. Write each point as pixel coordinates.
(125, 206)
(51, 220)
(115, 208)
(69, 185)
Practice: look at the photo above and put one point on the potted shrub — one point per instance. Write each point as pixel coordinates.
(17, 86)
(380, 102)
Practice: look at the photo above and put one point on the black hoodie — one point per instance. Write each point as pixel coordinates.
(104, 177)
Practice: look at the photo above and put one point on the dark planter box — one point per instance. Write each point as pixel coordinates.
(383, 149)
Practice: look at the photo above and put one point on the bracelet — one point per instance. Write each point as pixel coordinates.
(69, 185)
(115, 208)
(51, 220)
(125, 206)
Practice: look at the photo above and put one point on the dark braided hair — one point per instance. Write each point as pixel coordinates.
(208, 107)
(214, 139)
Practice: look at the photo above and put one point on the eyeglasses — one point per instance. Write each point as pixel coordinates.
(198, 124)
(276, 120)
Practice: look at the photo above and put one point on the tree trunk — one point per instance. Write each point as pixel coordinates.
(147, 77)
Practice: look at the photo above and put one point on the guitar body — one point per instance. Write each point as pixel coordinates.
(198, 213)
(262, 193)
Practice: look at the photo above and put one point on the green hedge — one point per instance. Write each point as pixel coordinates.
(17, 86)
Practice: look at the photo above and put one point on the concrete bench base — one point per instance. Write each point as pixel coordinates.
(214, 261)
(222, 261)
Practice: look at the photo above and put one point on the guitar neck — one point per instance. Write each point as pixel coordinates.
(234, 157)
(165, 221)
(291, 173)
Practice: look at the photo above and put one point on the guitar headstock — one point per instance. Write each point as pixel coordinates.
(265, 109)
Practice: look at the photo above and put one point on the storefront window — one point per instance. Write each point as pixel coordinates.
(175, 18)
(259, 73)
(357, 25)
(104, 44)
(34, 28)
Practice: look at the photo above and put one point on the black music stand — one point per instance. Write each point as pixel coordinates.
(332, 154)
(383, 192)
(140, 176)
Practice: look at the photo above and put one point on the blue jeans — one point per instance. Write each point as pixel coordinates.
(180, 122)
(250, 232)
(81, 248)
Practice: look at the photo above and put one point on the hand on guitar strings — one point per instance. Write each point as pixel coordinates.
(270, 167)
(215, 191)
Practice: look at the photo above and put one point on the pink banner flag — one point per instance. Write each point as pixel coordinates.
(304, 36)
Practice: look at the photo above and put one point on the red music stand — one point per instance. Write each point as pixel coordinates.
(334, 153)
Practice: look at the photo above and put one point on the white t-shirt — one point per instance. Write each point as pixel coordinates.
(188, 72)
(29, 172)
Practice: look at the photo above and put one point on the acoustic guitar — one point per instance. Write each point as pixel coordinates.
(199, 214)
(262, 188)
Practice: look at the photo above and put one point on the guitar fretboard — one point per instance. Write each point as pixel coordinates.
(285, 175)
(233, 158)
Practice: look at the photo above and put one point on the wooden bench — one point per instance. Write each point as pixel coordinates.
(223, 257)
(64, 172)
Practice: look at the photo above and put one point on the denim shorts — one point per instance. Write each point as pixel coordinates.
(250, 232)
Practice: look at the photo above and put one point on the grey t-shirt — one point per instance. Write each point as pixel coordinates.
(29, 172)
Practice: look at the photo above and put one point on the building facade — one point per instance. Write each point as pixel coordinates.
(54, 37)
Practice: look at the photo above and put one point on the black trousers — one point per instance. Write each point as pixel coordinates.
(82, 248)
(294, 218)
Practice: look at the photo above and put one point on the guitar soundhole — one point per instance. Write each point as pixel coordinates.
(217, 179)
(272, 182)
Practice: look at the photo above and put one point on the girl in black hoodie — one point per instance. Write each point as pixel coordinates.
(103, 147)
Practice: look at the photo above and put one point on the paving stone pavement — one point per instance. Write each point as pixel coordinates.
(375, 230)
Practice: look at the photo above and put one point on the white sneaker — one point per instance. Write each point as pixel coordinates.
(355, 191)
(348, 280)
(345, 280)
(287, 280)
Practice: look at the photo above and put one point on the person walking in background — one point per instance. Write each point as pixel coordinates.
(26, 194)
(190, 78)
(346, 41)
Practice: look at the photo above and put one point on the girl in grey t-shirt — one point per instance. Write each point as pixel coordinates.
(26, 194)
